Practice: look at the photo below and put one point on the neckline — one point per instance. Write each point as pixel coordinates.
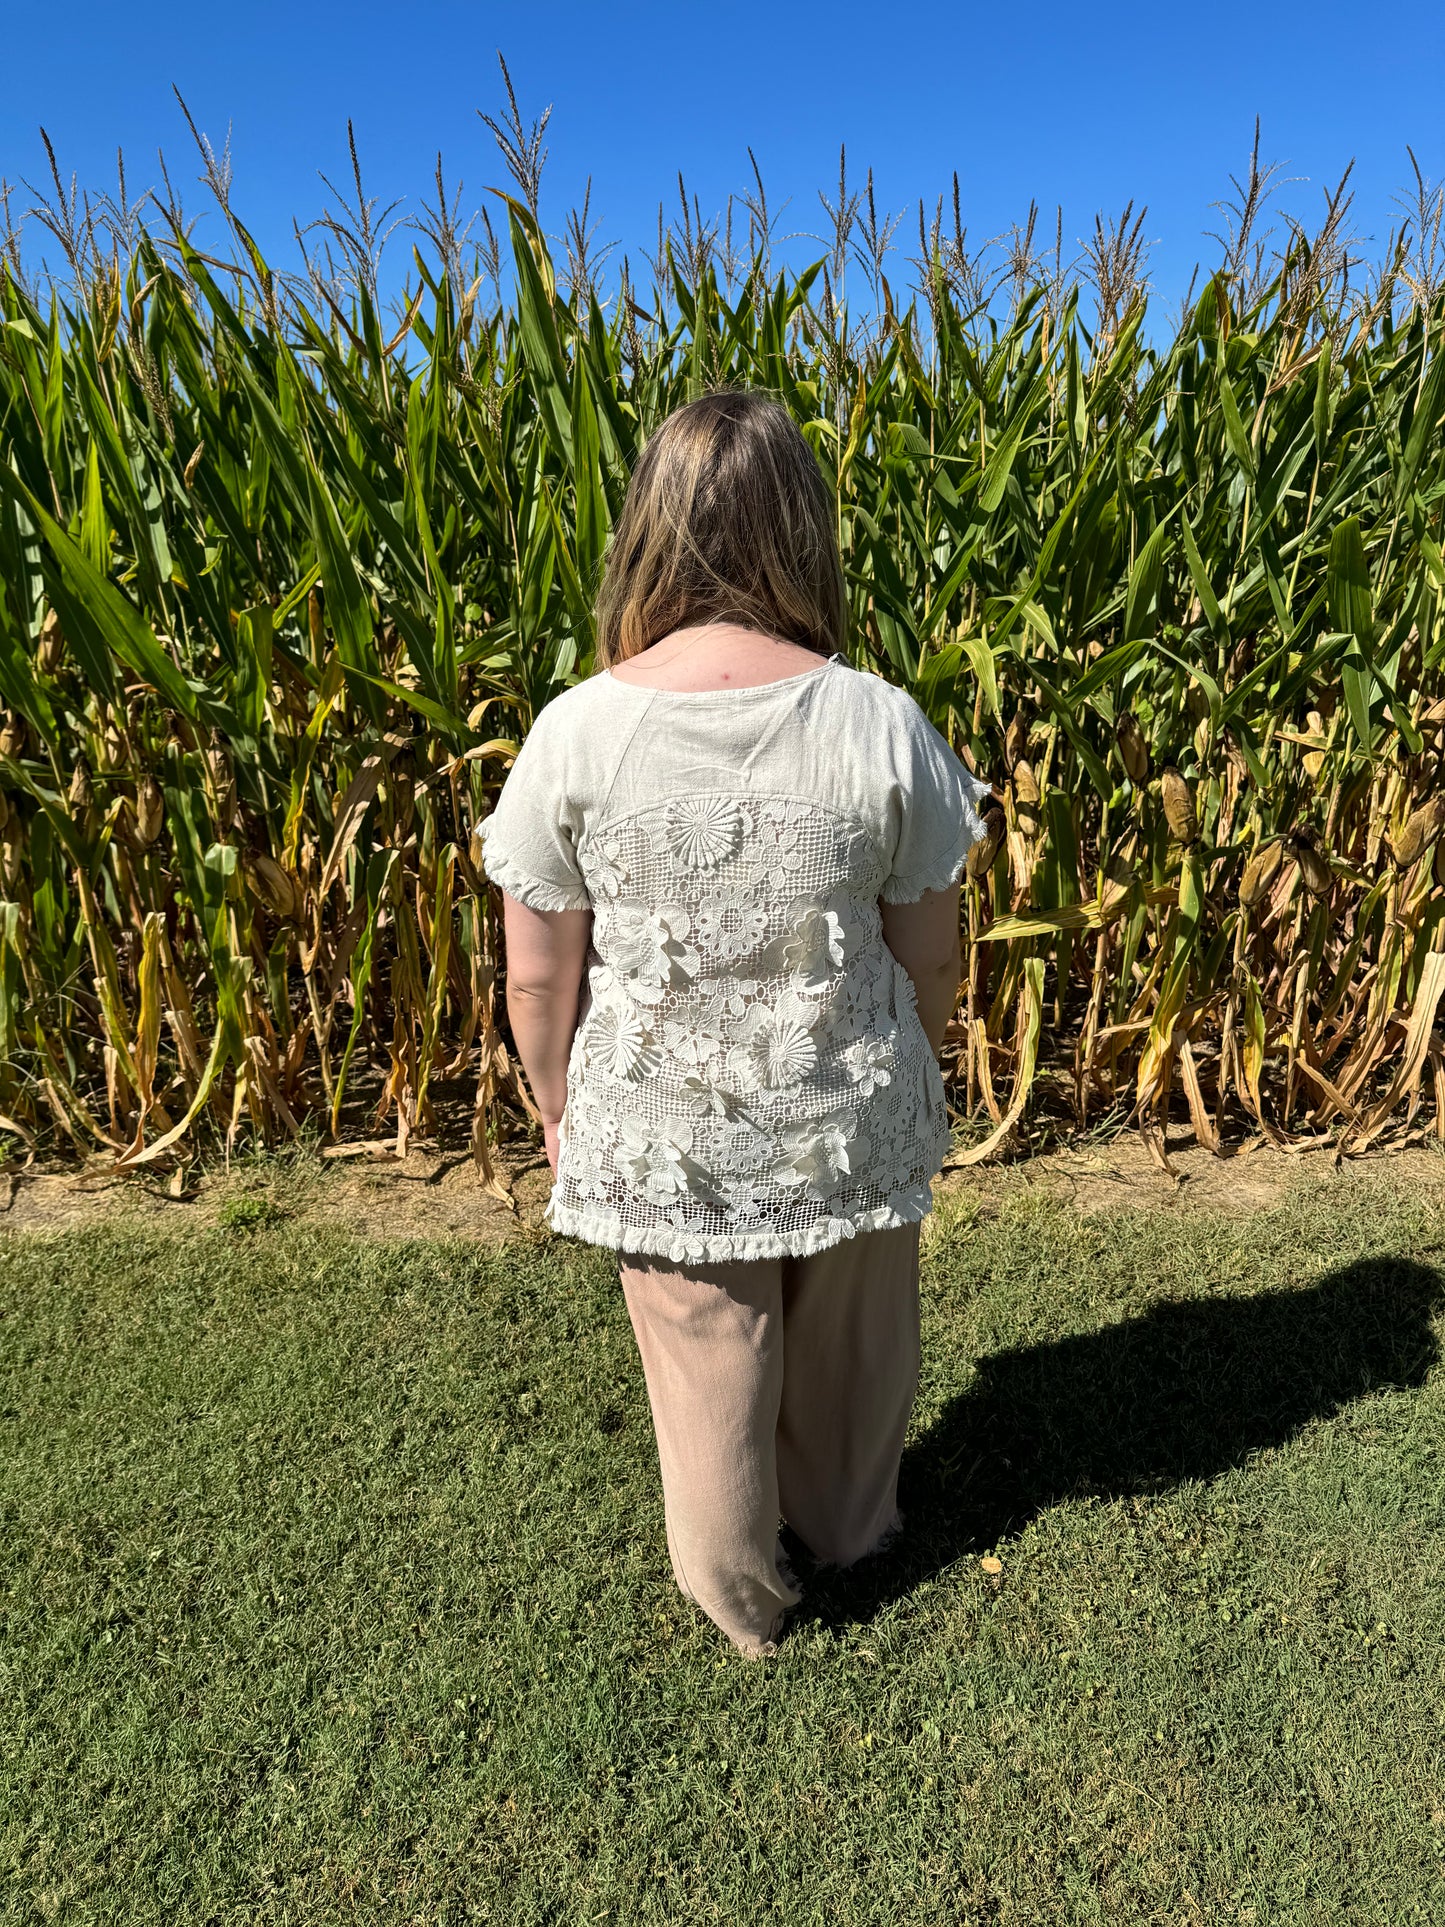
(712, 695)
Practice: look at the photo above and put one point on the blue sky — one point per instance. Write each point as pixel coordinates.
(1088, 106)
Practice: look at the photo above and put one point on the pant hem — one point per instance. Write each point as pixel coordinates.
(882, 1543)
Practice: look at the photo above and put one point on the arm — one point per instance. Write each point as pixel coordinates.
(923, 936)
(546, 953)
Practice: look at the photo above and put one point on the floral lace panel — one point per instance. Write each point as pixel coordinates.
(749, 1077)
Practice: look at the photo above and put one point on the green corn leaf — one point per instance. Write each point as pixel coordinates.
(1144, 580)
(541, 347)
(1423, 423)
(980, 658)
(1359, 690)
(253, 677)
(1351, 605)
(1234, 427)
(1322, 410)
(1199, 575)
(125, 630)
(348, 608)
(593, 519)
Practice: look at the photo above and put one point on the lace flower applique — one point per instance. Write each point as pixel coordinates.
(603, 868)
(705, 1098)
(813, 1154)
(690, 1247)
(731, 929)
(869, 1063)
(784, 857)
(693, 1044)
(778, 1049)
(649, 948)
(814, 947)
(655, 1160)
(590, 1124)
(703, 831)
(621, 1043)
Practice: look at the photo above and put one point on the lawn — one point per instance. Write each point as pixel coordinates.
(332, 1588)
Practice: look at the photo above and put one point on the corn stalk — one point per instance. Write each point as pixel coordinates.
(282, 591)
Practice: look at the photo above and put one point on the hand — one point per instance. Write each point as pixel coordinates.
(550, 1143)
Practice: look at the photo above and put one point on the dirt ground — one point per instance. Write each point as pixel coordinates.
(437, 1194)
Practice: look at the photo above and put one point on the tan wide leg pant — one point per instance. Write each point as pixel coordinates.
(777, 1385)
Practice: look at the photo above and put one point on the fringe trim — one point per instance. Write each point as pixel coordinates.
(530, 890)
(665, 1241)
(908, 889)
(948, 867)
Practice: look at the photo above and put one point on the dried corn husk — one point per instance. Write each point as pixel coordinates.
(403, 803)
(122, 820)
(1259, 874)
(1315, 872)
(114, 750)
(223, 783)
(150, 811)
(81, 794)
(1133, 752)
(272, 885)
(981, 856)
(50, 646)
(316, 624)
(1314, 759)
(1016, 739)
(1026, 795)
(12, 845)
(1419, 831)
(12, 736)
(1178, 800)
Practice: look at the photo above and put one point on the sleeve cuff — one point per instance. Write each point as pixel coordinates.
(534, 892)
(938, 875)
(946, 868)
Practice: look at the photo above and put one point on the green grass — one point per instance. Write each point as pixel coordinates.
(249, 1214)
(332, 1588)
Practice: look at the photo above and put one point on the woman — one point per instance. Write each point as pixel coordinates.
(730, 874)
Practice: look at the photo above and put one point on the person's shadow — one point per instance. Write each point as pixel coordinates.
(1184, 1392)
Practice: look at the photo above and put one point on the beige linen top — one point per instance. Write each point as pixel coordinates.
(749, 1076)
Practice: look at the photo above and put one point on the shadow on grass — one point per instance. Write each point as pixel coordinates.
(1185, 1392)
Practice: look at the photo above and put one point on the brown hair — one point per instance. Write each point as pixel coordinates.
(727, 519)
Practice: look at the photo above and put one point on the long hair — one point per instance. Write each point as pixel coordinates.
(727, 519)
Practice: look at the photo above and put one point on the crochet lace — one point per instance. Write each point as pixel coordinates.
(749, 1077)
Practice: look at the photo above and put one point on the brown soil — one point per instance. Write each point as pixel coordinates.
(435, 1194)
(1119, 1175)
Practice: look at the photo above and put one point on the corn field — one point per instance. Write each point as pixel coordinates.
(286, 576)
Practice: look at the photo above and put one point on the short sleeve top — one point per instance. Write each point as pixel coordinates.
(749, 1077)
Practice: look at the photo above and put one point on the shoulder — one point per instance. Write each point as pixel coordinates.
(573, 726)
(574, 709)
(905, 742)
(852, 685)
(888, 709)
